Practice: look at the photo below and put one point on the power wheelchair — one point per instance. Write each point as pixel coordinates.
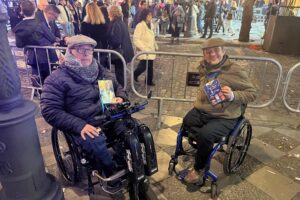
(236, 145)
(140, 155)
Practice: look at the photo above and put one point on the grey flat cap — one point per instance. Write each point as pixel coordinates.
(213, 42)
(80, 40)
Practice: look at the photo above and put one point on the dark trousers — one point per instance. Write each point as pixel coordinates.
(119, 70)
(208, 23)
(142, 67)
(76, 28)
(207, 130)
(98, 149)
(39, 74)
(176, 32)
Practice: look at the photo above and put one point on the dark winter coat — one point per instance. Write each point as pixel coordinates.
(118, 35)
(33, 32)
(210, 10)
(53, 27)
(125, 10)
(97, 32)
(69, 103)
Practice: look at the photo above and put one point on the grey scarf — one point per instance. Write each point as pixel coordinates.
(88, 74)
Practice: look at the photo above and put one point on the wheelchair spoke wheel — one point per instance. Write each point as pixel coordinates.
(65, 156)
(237, 148)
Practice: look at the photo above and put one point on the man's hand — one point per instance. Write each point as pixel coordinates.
(119, 100)
(228, 93)
(61, 59)
(90, 131)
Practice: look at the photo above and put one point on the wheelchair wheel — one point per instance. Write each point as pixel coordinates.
(138, 191)
(237, 148)
(66, 156)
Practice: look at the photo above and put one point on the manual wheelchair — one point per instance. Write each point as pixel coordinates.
(140, 155)
(237, 143)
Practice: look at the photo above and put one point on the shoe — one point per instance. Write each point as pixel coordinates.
(203, 36)
(194, 176)
(151, 84)
(209, 36)
(35, 80)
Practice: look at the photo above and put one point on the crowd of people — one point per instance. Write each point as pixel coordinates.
(70, 100)
(110, 25)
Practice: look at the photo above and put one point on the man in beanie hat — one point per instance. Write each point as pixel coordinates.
(70, 100)
(214, 117)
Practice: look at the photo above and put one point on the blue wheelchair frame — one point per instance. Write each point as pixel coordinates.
(224, 140)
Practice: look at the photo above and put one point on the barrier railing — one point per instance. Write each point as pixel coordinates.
(289, 94)
(267, 88)
(26, 70)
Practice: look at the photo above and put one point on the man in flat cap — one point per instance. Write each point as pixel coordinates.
(224, 88)
(70, 99)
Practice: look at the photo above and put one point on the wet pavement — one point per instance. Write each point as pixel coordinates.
(271, 169)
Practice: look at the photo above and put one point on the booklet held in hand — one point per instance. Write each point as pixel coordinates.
(107, 93)
(214, 92)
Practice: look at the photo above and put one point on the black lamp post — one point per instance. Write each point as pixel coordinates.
(189, 32)
(22, 170)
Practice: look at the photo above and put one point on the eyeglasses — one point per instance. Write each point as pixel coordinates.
(212, 49)
(85, 51)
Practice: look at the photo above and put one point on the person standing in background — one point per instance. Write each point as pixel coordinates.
(48, 17)
(119, 40)
(178, 17)
(164, 22)
(126, 5)
(209, 18)
(31, 31)
(200, 16)
(95, 26)
(144, 40)
(136, 18)
(77, 15)
(65, 19)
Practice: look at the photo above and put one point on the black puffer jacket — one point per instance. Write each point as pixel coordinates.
(118, 35)
(69, 103)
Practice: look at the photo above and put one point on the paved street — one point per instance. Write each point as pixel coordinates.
(272, 167)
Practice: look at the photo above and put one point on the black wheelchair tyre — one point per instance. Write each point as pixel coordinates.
(70, 173)
(237, 148)
(141, 192)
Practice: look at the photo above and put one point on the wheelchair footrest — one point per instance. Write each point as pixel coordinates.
(182, 174)
(117, 175)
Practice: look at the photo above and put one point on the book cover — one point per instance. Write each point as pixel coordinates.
(214, 92)
(107, 93)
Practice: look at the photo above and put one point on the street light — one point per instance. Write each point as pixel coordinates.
(22, 170)
(189, 32)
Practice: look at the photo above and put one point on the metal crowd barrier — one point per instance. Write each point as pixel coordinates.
(288, 94)
(25, 70)
(267, 89)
